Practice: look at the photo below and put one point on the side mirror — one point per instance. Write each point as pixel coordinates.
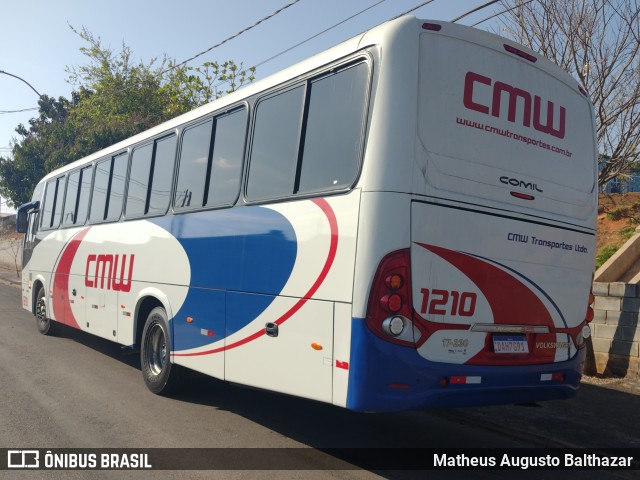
(22, 217)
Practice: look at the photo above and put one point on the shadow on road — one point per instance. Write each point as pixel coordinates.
(597, 418)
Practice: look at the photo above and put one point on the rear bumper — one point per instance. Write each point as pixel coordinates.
(387, 377)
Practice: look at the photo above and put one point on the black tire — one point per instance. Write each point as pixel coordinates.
(45, 325)
(160, 375)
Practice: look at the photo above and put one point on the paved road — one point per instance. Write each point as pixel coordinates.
(76, 391)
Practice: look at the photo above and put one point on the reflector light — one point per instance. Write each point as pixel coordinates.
(590, 314)
(520, 53)
(316, 346)
(465, 380)
(556, 377)
(592, 298)
(522, 196)
(434, 27)
(398, 386)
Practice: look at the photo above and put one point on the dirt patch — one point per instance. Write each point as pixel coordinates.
(626, 206)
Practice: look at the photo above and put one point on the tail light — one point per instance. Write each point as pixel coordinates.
(585, 331)
(590, 313)
(390, 307)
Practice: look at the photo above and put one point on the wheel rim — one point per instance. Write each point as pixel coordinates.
(41, 313)
(157, 349)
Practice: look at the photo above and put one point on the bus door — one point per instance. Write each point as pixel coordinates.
(30, 237)
(27, 223)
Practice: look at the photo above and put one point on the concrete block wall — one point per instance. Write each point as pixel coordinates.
(614, 346)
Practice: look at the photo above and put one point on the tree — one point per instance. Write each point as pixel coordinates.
(598, 42)
(188, 87)
(43, 147)
(114, 97)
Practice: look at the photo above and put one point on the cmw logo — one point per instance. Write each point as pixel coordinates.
(105, 269)
(474, 81)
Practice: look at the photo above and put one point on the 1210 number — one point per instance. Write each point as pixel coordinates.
(443, 302)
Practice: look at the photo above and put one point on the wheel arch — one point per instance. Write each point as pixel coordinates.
(37, 284)
(147, 300)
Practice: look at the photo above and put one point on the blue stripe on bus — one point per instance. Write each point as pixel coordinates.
(250, 249)
(377, 368)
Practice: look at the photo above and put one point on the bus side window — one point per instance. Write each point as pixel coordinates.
(275, 144)
(99, 192)
(115, 197)
(226, 163)
(69, 213)
(192, 172)
(82, 201)
(53, 200)
(150, 178)
(333, 137)
(108, 189)
(164, 158)
(139, 181)
(319, 152)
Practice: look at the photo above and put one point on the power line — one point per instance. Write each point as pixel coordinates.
(518, 4)
(173, 67)
(232, 36)
(337, 24)
(318, 34)
(412, 9)
(473, 10)
(2, 112)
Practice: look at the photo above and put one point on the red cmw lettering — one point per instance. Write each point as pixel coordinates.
(105, 269)
(471, 81)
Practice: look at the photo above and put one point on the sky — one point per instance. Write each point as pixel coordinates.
(38, 44)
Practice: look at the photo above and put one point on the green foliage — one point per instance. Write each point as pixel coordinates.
(605, 253)
(43, 148)
(188, 87)
(114, 98)
(627, 232)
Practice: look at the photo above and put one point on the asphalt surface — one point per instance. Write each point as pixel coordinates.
(74, 390)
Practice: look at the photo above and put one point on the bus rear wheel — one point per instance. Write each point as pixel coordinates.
(160, 375)
(45, 325)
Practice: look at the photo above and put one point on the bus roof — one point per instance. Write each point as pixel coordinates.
(382, 34)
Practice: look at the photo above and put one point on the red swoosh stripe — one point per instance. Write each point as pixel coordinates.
(508, 297)
(61, 306)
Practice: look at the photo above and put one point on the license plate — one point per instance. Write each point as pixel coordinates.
(510, 344)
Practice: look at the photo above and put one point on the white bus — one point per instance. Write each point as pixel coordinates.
(406, 220)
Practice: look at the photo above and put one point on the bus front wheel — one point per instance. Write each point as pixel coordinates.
(44, 324)
(160, 375)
